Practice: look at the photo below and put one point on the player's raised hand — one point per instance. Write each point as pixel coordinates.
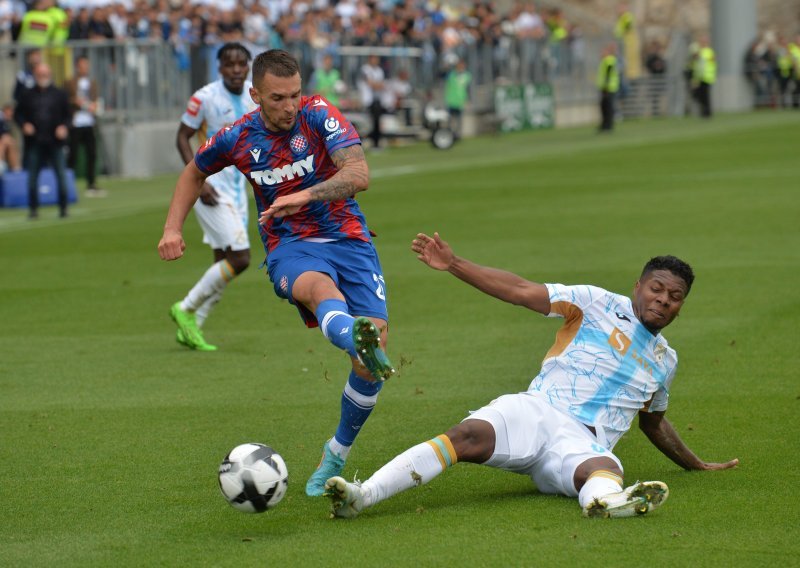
(284, 206)
(171, 245)
(433, 251)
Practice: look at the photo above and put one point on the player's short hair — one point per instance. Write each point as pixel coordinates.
(275, 62)
(231, 47)
(673, 264)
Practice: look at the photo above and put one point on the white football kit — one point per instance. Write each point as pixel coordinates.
(225, 224)
(604, 368)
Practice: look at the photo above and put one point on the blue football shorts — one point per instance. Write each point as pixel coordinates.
(353, 265)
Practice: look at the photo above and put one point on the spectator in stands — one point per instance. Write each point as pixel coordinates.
(99, 27)
(43, 114)
(327, 81)
(118, 21)
(656, 66)
(257, 27)
(528, 24)
(9, 153)
(794, 51)
(629, 50)
(230, 27)
(11, 13)
(80, 28)
(83, 98)
(370, 86)
(784, 69)
(456, 94)
(760, 63)
(558, 34)
(396, 96)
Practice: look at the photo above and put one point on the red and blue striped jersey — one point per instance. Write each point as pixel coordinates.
(280, 163)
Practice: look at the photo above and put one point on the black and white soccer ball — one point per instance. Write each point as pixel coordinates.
(253, 478)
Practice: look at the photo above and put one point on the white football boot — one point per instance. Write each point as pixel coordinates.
(638, 499)
(347, 499)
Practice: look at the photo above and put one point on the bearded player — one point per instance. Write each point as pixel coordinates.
(305, 163)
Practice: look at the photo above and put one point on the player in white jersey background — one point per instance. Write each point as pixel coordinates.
(222, 209)
(609, 364)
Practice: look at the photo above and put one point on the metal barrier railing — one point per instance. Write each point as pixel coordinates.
(146, 80)
(137, 79)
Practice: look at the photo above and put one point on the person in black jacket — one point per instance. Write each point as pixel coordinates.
(43, 113)
(25, 81)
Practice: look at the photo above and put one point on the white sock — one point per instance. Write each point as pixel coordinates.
(214, 280)
(599, 484)
(202, 312)
(339, 449)
(416, 466)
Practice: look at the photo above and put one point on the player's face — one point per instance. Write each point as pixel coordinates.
(657, 299)
(279, 98)
(234, 68)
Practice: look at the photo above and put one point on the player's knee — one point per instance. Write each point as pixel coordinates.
(473, 440)
(587, 468)
(239, 261)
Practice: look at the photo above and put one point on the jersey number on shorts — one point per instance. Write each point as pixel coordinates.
(379, 291)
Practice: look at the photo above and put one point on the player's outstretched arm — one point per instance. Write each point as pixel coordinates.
(663, 436)
(171, 245)
(501, 284)
(352, 177)
(183, 138)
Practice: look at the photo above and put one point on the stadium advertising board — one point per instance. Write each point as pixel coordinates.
(524, 107)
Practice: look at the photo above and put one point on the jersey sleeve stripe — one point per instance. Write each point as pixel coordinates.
(573, 317)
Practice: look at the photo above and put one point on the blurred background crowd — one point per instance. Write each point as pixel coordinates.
(147, 56)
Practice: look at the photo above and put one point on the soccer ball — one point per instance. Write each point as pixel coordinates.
(253, 478)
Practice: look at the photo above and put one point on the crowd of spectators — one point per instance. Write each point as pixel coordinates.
(772, 67)
(319, 25)
(320, 22)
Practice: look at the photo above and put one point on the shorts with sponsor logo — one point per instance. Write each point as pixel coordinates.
(223, 224)
(352, 264)
(535, 439)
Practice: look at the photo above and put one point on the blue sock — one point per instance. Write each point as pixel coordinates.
(358, 400)
(336, 324)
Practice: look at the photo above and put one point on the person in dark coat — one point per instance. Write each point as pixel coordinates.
(43, 114)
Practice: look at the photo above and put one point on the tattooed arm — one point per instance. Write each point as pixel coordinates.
(352, 177)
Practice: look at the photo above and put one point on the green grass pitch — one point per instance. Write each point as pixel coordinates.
(111, 433)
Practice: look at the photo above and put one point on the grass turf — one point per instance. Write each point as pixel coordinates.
(112, 433)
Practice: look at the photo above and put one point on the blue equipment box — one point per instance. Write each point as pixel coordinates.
(14, 188)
